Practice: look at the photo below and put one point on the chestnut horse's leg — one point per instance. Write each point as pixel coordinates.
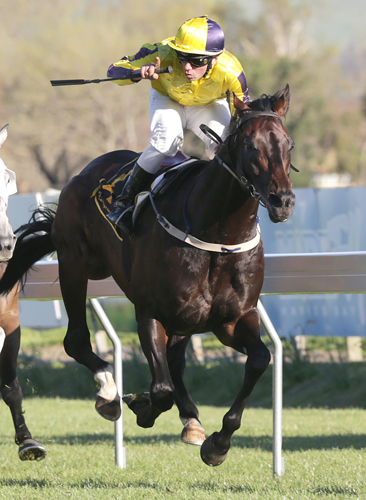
(245, 338)
(73, 282)
(193, 432)
(29, 449)
(153, 340)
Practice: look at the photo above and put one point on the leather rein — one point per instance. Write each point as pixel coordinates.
(243, 181)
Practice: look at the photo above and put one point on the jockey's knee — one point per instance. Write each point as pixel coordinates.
(167, 143)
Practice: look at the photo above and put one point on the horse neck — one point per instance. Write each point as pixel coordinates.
(218, 207)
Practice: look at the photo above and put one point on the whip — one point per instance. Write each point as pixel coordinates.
(133, 74)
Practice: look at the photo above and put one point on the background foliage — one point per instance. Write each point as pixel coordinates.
(54, 132)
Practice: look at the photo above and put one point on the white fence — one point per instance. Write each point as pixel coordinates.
(338, 272)
(285, 274)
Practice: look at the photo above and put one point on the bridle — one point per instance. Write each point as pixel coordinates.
(242, 179)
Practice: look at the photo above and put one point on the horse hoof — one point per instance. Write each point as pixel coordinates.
(31, 450)
(209, 456)
(137, 402)
(193, 433)
(110, 410)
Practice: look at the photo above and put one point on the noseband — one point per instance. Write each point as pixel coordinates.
(243, 180)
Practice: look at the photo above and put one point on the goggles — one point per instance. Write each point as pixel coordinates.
(193, 59)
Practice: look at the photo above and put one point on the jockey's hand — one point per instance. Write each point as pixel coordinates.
(148, 70)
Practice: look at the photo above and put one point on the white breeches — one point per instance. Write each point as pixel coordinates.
(168, 119)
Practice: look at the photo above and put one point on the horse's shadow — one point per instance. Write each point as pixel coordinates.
(264, 442)
(304, 443)
(93, 439)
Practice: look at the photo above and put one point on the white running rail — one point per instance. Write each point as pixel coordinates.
(285, 274)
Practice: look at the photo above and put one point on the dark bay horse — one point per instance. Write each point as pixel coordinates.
(210, 282)
(11, 392)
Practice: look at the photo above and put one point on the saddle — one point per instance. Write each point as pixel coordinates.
(110, 187)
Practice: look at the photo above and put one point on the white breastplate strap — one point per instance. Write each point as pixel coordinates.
(2, 338)
(210, 247)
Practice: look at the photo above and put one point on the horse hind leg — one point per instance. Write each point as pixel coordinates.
(153, 341)
(193, 432)
(29, 448)
(73, 281)
(108, 403)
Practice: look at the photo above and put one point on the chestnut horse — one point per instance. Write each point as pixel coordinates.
(196, 264)
(29, 449)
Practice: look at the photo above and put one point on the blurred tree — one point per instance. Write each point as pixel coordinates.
(277, 48)
(55, 131)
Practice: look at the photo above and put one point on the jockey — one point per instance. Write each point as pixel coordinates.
(198, 91)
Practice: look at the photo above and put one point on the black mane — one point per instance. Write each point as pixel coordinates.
(265, 102)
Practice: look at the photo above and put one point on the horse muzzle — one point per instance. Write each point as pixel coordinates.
(280, 206)
(7, 245)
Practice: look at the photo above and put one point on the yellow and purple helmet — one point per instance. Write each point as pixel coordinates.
(200, 36)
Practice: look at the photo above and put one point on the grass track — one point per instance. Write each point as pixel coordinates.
(324, 450)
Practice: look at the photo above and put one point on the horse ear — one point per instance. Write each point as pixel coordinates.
(238, 104)
(281, 101)
(3, 134)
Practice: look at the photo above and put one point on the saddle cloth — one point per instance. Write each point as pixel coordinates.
(111, 186)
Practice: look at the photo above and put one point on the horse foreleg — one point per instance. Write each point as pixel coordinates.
(153, 341)
(77, 340)
(193, 432)
(214, 450)
(29, 448)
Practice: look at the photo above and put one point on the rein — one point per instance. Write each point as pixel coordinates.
(243, 180)
(192, 240)
(203, 245)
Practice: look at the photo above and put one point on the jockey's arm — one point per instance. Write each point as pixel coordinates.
(146, 59)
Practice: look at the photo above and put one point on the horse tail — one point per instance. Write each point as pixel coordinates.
(33, 243)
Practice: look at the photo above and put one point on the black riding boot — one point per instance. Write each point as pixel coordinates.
(138, 180)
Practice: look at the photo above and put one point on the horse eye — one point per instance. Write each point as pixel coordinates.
(249, 145)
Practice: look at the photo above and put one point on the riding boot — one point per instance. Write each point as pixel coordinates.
(138, 180)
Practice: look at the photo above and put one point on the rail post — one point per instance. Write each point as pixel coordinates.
(278, 460)
(120, 450)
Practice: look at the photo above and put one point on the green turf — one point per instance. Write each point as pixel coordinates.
(324, 453)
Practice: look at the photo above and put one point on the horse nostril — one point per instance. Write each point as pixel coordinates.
(275, 200)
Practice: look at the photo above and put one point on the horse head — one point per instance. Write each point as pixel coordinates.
(263, 158)
(7, 187)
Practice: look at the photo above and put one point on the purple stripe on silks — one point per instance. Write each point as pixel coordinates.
(143, 52)
(215, 37)
(117, 72)
(244, 87)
